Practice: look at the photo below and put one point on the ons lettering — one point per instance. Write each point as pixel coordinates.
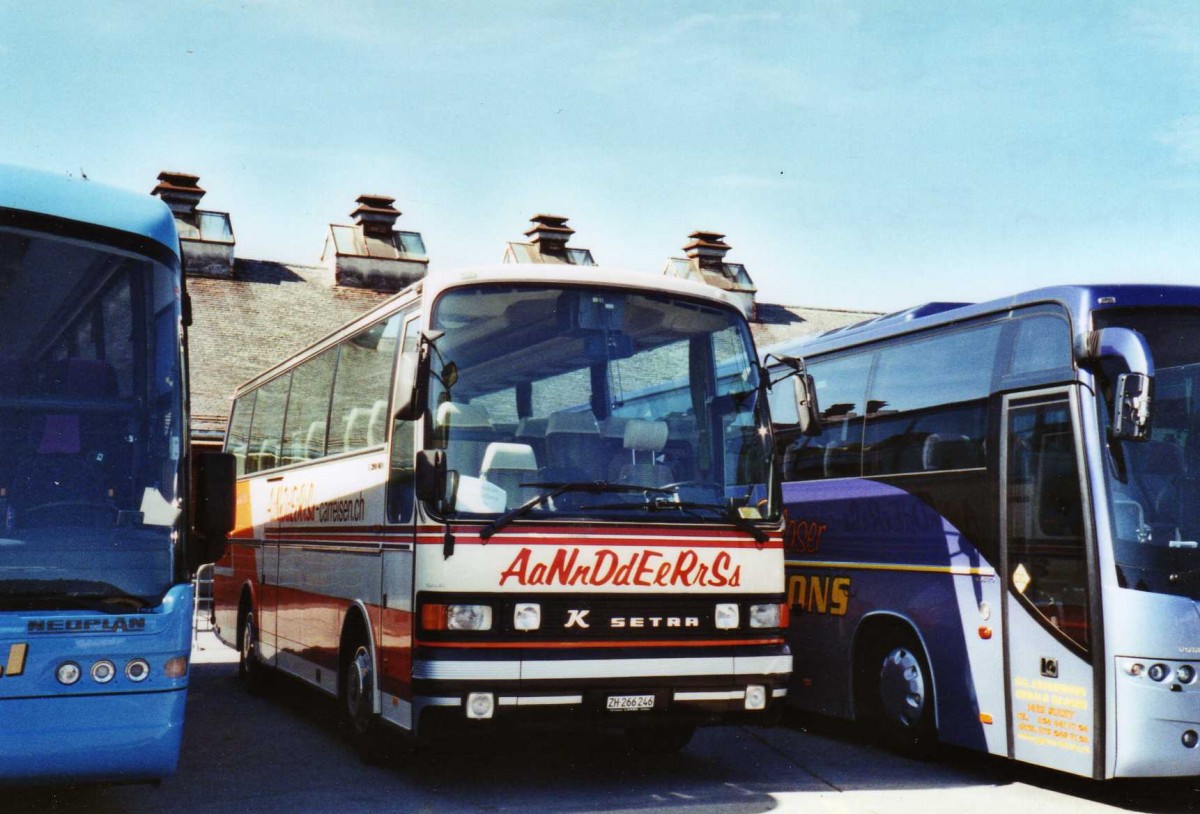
(605, 567)
(817, 594)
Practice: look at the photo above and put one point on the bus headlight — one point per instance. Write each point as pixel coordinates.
(756, 696)
(527, 616)
(103, 671)
(480, 705)
(1186, 673)
(726, 617)
(137, 670)
(765, 616)
(68, 673)
(1158, 672)
(468, 617)
(456, 617)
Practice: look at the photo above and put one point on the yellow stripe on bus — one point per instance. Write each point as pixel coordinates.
(955, 570)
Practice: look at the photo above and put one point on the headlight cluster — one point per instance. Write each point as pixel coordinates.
(766, 615)
(771, 615)
(456, 617)
(104, 671)
(527, 616)
(1161, 672)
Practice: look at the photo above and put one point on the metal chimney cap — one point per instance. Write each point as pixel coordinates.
(707, 240)
(377, 201)
(178, 183)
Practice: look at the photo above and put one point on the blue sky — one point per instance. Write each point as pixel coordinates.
(858, 154)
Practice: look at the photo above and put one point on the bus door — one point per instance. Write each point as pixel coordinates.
(1049, 604)
(268, 585)
(399, 551)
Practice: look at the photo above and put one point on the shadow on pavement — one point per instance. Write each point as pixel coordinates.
(283, 753)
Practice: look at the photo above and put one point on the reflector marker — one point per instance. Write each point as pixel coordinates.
(16, 659)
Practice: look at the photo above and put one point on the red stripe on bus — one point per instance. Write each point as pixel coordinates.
(603, 644)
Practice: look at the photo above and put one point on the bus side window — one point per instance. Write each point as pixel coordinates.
(304, 429)
(266, 429)
(237, 441)
(841, 384)
(1040, 343)
(363, 380)
(402, 474)
(927, 409)
(401, 497)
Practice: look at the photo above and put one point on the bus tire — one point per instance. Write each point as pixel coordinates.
(356, 693)
(899, 693)
(665, 739)
(252, 671)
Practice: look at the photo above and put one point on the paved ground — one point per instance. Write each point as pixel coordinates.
(282, 754)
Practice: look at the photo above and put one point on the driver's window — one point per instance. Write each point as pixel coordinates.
(401, 496)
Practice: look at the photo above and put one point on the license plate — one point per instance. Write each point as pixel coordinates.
(623, 703)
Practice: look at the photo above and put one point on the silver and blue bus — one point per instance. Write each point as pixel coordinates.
(993, 526)
(95, 549)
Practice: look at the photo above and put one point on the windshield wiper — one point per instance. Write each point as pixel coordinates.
(598, 487)
(727, 511)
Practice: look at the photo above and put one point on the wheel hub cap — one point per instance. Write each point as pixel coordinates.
(902, 687)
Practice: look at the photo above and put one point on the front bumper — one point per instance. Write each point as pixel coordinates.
(709, 687)
(125, 737)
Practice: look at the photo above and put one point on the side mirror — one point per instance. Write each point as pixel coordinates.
(413, 378)
(215, 509)
(410, 393)
(808, 414)
(434, 484)
(1122, 357)
(1131, 407)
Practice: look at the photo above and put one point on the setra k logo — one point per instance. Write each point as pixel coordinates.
(577, 618)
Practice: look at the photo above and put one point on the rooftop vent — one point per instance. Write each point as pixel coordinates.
(372, 253)
(206, 238)
(548, 244)
(705, 263)
(707, 250)
(376, 215)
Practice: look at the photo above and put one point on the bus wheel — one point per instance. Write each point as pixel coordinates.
(903, 698)
(357, 713)
(666, 739)
(250, 669)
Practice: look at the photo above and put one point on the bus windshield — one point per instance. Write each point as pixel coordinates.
(1155, 484)
(624, 404)
(91, 422)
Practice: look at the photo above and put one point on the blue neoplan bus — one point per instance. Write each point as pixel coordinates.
(95, 598)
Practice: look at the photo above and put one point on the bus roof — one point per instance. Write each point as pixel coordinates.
(439, 281)
(61, 196)
(1079, 300)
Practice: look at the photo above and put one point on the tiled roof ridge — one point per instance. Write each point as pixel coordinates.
(822, 308)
